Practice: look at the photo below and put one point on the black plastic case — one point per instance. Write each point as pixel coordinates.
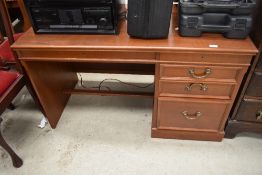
(233, 7)
(235, 27)
(232, 18)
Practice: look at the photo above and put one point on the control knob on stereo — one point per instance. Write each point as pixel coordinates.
(102, 21)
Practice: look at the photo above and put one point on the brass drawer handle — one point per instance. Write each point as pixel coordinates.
(192, 116)
(259, 116)
(203, 87)
(193, 74)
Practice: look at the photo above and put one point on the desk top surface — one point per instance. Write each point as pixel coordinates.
(123, 42)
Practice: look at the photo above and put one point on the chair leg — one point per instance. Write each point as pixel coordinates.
(17, 161)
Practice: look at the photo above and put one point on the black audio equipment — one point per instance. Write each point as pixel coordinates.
(73, 16)
(149, 18)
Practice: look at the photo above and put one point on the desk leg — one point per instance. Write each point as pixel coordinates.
(49, 80)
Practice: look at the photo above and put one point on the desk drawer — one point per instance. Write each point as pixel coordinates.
(186, 114)
(87, 55)
(196, 89)
(206, 58)
(255, 86)
(203, 73)
(250, 110)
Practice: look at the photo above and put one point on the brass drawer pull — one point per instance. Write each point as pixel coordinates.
(199, 76)
(192, 116)
(259, 116)
(203, 87)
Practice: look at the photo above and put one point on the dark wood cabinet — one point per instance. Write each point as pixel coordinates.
(246, 115)
(255, 86)
(250, 110)
(259, 65)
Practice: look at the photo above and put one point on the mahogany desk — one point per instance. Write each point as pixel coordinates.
(195, 85)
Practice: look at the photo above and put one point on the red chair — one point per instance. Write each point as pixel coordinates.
(10, 85)
(6, 53)
(10, 82)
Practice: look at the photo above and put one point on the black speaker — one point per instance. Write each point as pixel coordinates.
(149, 18)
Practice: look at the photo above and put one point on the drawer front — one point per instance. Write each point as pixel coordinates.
(203, 73)
(196, 89)
(255, 86)
(188, 114)
(87, 55)
(250, 110)
(206, 58)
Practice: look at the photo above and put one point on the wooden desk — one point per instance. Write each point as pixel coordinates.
(195, 85)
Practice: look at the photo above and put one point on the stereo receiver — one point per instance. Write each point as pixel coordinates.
(73, 16)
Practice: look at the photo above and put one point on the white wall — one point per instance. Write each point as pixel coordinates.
(123, 1)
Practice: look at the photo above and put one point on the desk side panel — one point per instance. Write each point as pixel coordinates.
(49, 80)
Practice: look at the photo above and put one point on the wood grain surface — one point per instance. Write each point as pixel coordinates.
(123, 42)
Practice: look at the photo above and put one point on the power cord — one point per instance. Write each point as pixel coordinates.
(83, 86)
(100, 86)
(129, 84)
